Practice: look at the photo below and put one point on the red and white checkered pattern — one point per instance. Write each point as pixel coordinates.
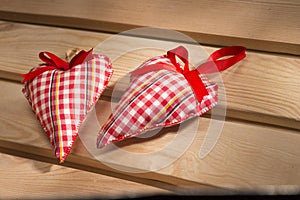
(61, 99)
(155, 99)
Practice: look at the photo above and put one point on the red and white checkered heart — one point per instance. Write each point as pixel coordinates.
(152, 100)
(164, 92)
(62, 99)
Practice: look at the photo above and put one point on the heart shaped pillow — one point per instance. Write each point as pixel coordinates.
(163, 93)
(61, 94)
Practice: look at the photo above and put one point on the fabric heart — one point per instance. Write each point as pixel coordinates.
(161, 93)
(61, 94)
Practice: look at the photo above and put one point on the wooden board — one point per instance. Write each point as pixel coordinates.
(25, 178)
(246, 156)
(261, 25)
(262, 88)
(258, 148)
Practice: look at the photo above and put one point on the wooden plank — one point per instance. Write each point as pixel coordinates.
(245, 156)
(263, 88)
(263, 25)
(25, 178)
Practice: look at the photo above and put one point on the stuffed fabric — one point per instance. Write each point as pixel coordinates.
(162, 93)
(61, 94)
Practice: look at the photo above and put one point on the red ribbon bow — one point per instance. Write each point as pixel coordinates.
(213, 64)
(52, 62)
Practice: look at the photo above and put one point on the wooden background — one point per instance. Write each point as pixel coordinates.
(258, 149)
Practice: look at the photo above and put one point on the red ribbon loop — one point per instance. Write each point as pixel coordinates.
(51, 62)
(181, 53)
(213, 64)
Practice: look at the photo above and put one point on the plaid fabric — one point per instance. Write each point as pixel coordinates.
(61, 99)
(155, 99)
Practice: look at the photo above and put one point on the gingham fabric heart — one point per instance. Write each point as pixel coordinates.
(62, 98)
(156, 99)
(163, 94)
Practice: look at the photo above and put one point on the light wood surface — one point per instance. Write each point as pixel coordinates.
(264, 25)
(245, 156)
(258, 146)
(24, 178)
(262, 88)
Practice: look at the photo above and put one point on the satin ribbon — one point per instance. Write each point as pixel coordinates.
(213, 64)
(52, 62)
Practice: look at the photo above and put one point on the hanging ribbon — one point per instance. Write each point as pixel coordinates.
(213, 64)
(52, 62)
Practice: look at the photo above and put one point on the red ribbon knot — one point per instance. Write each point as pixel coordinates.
(52, 62)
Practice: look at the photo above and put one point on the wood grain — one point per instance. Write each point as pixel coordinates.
(262, 88)
(246, 156)
(262, 25)
(259, 144)
(25, 178)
